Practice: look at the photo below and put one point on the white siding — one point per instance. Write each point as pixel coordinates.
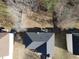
(50, 46)
(69, 42)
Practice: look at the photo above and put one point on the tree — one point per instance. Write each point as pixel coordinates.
(67, 14)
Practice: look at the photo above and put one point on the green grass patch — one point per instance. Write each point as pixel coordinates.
(3, 8)
(49, 4)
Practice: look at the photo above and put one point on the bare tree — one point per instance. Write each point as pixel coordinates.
(18, 7)
(67, 14)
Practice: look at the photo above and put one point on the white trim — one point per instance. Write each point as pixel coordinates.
(69, 43)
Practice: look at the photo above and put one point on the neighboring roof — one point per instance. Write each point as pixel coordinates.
(4, 44)
(75, 34)
(2, 35)
(39, 36)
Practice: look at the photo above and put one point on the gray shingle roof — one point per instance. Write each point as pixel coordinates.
(41, 36)
(35, 44)
(4, 44)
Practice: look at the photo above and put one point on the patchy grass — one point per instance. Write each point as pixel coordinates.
(4, 18)
(49, 4)
(3, 8)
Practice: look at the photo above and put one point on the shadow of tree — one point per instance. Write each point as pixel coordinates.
(60, 40)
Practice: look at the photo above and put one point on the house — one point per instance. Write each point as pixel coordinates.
(6, 45)
(73, 43)
(41, 42)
